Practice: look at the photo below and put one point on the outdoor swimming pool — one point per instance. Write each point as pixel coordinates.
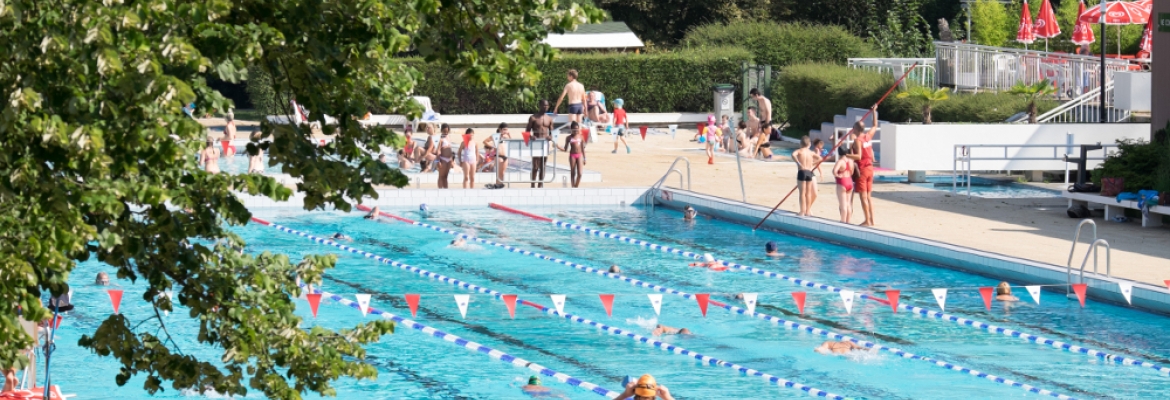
(416, 365)
(980, 187)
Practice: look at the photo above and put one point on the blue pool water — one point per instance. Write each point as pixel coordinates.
(980, 187)
(414, 365)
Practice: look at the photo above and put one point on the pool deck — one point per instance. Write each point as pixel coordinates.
(1032, 229)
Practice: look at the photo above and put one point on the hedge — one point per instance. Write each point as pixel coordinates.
(824, 90)
(659, 82)
(784, 44)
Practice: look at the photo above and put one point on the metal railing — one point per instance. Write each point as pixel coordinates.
(518, 150)
(1093, 251)
(1086, 108)
(655, 187)
(974, 67)
(1071, 251)
(961, 154)
(923, 75)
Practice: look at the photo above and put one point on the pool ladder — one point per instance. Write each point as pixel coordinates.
(654, 188)
(1093, 250)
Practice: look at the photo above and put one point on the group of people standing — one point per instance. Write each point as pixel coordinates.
(852, 171)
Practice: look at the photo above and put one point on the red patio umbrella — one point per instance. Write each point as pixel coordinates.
(1083, 33)
(1147, 43)
(1117, 13)
(1046, 26)
(1026, 34)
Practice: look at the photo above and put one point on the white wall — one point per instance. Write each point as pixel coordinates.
(908, 147)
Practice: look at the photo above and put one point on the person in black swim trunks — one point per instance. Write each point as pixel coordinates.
(575, 92)
(805, 160)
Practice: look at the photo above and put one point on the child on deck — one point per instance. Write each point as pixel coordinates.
(468, 157)
(713, 133)
(619, 122)
(725, 126)
(576, 149)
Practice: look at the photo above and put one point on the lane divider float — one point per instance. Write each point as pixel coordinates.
(473, 346)
(550, 311)
(989, 328)
(738, 310)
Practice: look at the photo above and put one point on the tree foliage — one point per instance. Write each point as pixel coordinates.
(927, 97)
(990, 23)
(783, 44)
(903, 32)
(1032, 94)
(99, 162)
(665, 22)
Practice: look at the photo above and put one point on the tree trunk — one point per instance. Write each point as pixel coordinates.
(1032, 112)
(926, 114)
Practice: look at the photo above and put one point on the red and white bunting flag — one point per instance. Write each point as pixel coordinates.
(314, 301)
(847, 300)
(892, 298)
(703, 299)
(1127, 291)
(1080, 289)
(412, 301)
(987, 293)
(115, 298)
(558, 302)
(656, 302)
(461, 300)
(749, 300)
(363, 301)
(1167, 282)
(607, 301)
(940, 295)
(1035, 292)
(510, 302)
(799, 297)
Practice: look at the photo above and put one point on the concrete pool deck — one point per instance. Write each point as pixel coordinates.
(1032, 229)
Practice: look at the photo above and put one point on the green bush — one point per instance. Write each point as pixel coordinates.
(784, 44)
(813, 93)
(260, 92)
(963, 107)
(1136, 163)
(991, 24)
(659, 82)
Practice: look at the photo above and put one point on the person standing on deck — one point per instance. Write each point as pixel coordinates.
(863, 153)
(765, 110)
(805, 159)
(575, 92)
(540, 125)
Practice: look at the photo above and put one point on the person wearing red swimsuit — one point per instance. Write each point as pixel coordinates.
(863, 154)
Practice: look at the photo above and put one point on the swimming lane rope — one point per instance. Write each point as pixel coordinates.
(551, 311)
(993, 329)
(738, 310)
(473, 346)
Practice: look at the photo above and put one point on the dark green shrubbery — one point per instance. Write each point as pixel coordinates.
(1137, 162)
(659, 82)
(784, 44)
(824, 90)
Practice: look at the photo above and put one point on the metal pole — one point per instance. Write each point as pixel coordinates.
(1104, 115)
(738, 165)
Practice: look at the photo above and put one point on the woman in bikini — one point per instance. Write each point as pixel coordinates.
(428, 155)
(576, 148)
(445, 155)
(229, 134)
(843, 171)
(209, 158)
(493, 152)
(468, 155)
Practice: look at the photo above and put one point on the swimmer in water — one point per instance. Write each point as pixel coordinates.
(103, 279)
(341, 236)
(666, 330)
(373, 213)
(614, 269)
(534, 389)
(771, 249)
(645, 389)
(458, 242)
(1003, 292)
(709, 262)
(689, 213)
(842, 347)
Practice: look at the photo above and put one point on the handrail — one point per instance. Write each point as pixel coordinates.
(1093, 250)
(1068, 105)
(656, 185)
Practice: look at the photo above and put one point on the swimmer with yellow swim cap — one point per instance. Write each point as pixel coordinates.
(645, 389)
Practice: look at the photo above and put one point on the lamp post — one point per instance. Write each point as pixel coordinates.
(1104, 113)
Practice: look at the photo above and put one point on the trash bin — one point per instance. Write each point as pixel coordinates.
(724, 100)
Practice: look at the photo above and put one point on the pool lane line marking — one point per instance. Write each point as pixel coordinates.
(989, 328)
(733, 309)
(608, 329)
(476, 347)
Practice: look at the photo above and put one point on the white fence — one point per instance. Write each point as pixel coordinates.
(924, 74)
(973, 67)
(912, 147)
